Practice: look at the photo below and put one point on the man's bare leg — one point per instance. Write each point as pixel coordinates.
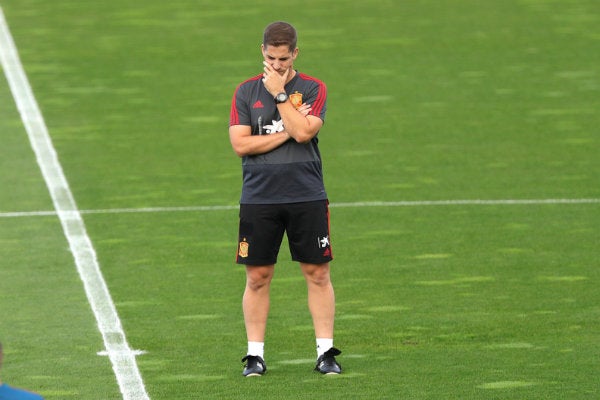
(255, 302)
(321, 303)
(321, 298)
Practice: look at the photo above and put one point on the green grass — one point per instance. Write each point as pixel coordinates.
(428, 100)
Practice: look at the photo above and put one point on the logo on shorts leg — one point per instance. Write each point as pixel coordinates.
(323, 241)
(243, 248)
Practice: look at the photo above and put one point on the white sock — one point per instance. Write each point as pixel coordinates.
(323, 345)
(256, 349)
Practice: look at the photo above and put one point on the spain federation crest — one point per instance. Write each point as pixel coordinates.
(243, 249)
(296, 99)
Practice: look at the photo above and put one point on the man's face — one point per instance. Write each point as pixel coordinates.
(280, 58)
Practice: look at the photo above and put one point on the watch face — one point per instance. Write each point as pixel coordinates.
(281, 97)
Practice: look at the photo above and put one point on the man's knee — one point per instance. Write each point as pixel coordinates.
(258, 277)
(317, 274)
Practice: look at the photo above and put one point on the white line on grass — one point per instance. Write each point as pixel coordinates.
(464, 202)
(121, 356)
(418, 203)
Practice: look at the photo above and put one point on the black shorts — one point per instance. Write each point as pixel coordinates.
(262, 227)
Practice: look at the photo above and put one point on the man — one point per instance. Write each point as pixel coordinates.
(10, 393)
(274, 122)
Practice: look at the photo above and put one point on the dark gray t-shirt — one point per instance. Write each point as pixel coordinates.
(291, 173)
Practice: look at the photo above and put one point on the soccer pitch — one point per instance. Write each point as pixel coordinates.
(461, 157)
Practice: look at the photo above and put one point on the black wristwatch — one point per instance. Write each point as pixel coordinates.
(281, 98)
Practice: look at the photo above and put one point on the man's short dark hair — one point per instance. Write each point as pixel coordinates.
(280, 33)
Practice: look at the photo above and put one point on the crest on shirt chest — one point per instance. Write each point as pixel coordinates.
(296, 99)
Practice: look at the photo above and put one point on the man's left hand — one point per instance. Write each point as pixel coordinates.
(274, 81)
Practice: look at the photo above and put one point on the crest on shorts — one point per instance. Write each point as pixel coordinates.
(243, 248)
(296, 99)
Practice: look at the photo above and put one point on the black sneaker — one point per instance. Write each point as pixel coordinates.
(326, 364)
(255, 366)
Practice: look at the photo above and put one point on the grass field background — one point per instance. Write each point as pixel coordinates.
(428, 101)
